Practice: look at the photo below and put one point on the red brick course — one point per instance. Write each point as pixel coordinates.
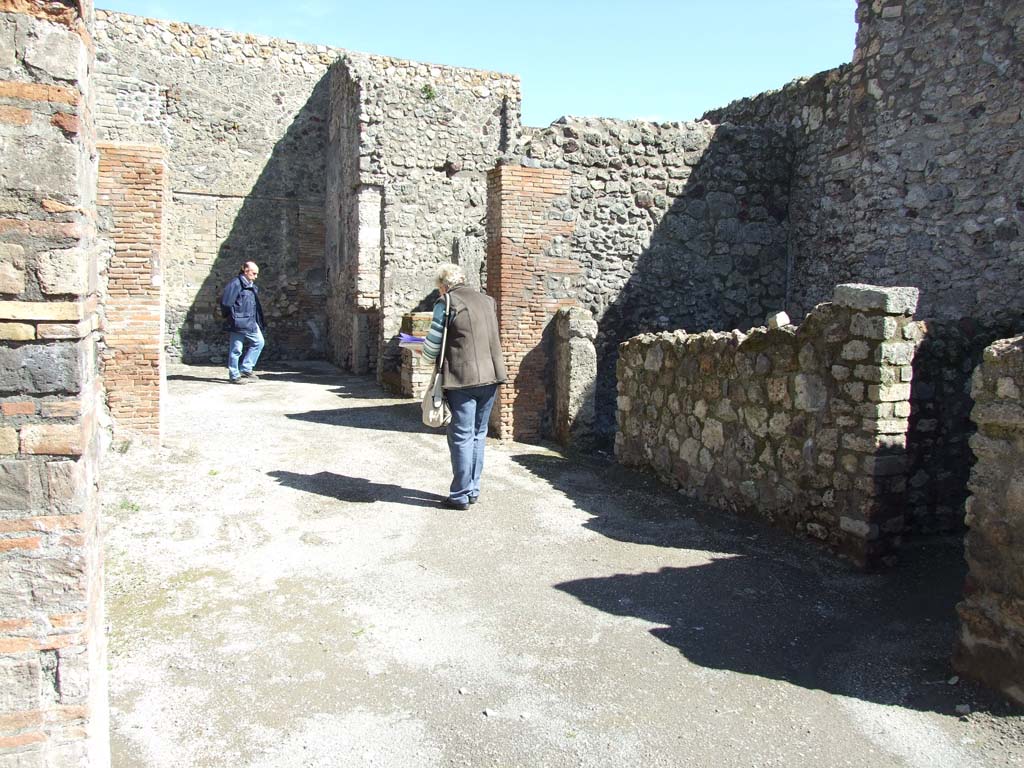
(38, 92)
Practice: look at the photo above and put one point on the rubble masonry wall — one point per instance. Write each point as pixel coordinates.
(802, 426)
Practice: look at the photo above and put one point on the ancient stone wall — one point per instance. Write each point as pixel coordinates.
(244, 122)
(904, 173)
(991, 643)
(907, 161)
(803, 426)
(678, 225)
(53, 704)
(415, 143)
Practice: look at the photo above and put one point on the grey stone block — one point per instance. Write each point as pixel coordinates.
(810, 392)
(893, 301)
(7, 59)
(859, 528)
(73, 675)
(37, 369)
(53, 173)
(20, 683)
(15, 485)
(56, 50)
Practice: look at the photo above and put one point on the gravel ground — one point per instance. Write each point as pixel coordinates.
(285, 589)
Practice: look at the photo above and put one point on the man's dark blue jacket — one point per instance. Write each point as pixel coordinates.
(240, 306)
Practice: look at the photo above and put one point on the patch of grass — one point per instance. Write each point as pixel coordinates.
(428, 92)
(214, 472)
(128, 506)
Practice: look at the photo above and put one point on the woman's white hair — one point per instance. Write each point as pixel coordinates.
(450, 275)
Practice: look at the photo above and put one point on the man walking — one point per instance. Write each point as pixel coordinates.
(243, 319)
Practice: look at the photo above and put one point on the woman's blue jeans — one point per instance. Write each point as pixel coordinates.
(254, 340)
(467, 436)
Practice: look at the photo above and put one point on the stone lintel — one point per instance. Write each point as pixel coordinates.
(47, 311)
(875, 298)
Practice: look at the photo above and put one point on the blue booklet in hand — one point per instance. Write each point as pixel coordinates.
(407, 340)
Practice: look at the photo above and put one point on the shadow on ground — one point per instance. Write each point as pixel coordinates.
(400, 417)
(356, 489)
(295, 372)
(765, 604)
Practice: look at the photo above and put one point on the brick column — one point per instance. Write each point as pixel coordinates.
(131, 193)
(529, 222)
(53, 703)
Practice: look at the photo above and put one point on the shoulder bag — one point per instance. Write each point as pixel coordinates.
(436, 412)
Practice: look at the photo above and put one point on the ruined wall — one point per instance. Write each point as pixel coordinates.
(938, 448)
(802, 426)
(415, 143)
(991, 643)
(678, 225)
(244, 122)
(53, 704)
(905, 172)
(907, 161)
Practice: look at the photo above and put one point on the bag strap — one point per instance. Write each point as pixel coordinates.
(444, 333)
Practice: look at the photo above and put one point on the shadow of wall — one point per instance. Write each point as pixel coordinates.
(279, 224)
(938, 440)
(716, 259)
(756, 605)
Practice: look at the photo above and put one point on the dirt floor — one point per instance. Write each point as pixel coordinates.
(285, 589)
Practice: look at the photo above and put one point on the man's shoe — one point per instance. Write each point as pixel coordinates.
(451, 503)
(249, 375)
(474, 499)
(239, 380)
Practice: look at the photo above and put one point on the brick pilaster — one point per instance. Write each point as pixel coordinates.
(132, 190)
(530, 276)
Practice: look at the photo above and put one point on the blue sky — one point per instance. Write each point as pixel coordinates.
(647, 59)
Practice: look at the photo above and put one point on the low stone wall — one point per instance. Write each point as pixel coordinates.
(805, 427)
(991, 643)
